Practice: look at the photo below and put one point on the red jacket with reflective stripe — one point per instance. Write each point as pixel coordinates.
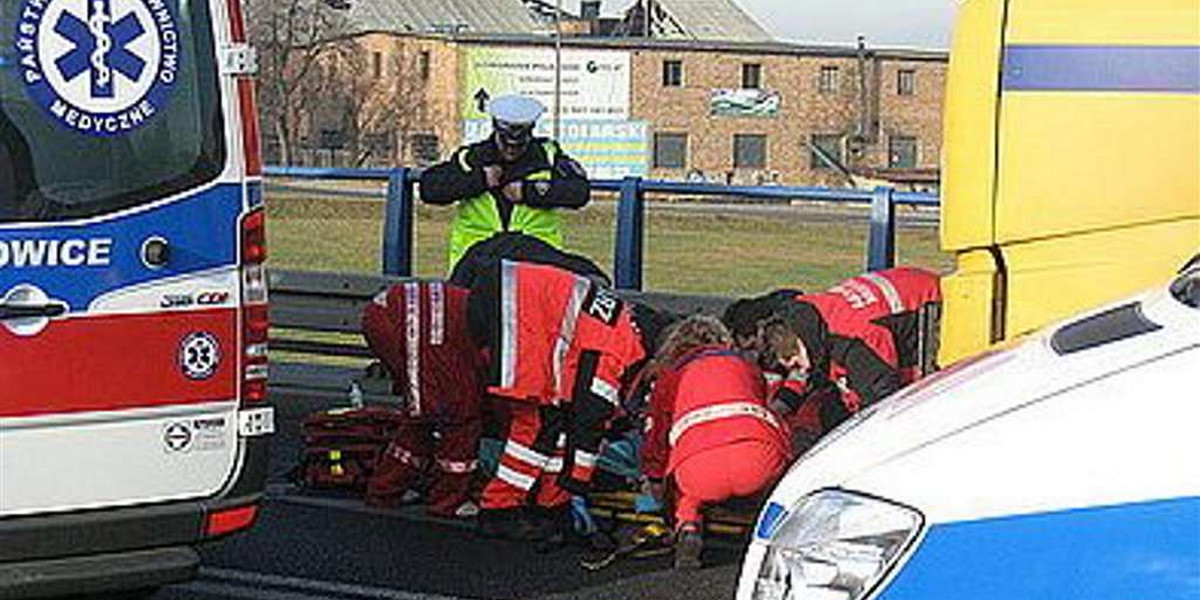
(548, 318)
(707, 377)
(419, 331)
(866, 341)
(862, 308)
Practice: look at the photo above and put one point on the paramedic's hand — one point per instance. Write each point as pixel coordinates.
(492, 174)
(654, 489)
(513, 191)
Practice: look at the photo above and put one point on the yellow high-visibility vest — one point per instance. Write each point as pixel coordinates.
(478, 218)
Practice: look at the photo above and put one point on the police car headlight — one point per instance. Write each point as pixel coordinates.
(833, 545)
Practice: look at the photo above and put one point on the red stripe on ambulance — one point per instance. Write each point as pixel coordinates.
(118, 362)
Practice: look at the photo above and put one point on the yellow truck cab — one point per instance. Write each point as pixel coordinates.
(1072, 169)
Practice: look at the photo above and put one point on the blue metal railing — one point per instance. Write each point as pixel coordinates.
(631, 209)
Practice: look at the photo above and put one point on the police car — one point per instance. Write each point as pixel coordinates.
(1062, 466)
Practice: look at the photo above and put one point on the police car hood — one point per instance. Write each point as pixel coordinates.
(994, 385)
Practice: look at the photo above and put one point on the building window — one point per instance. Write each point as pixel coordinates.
(906, 82)
(377, 64)
(672, 73)
(670, 150)
(380, 145)
(423, 65)
(831, 145)
(902, 152)
(749, 151)
(424, 149)
(751, 76)
(828, 83)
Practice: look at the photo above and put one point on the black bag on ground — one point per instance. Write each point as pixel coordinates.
(342, 445)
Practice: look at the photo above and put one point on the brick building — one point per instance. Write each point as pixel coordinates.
(668, 107)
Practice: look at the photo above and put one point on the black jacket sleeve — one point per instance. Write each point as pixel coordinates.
(458, 178)
(568, 186)
(868, 375)
(586, 426)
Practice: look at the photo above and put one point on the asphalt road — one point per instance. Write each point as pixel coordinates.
(309, 546)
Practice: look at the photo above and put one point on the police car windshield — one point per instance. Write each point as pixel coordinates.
(104, 105)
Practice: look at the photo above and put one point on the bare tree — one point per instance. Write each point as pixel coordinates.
(382, 106)
(293, 38)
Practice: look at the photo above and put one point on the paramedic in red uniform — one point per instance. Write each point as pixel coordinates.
(708, 428)
(560, 346)
(419, 331)
(858, 342)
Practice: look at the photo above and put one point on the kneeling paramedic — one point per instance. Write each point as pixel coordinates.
(708, 428)
(560, 348)
(419, 332)
(857, 343)
(512, 181)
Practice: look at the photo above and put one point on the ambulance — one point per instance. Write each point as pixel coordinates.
(1072, 160)
(1059, 467)
(133, 306)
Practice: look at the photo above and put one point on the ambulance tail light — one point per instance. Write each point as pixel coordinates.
(223, 522)
(237, 24)
(251, 144)
(255, 314)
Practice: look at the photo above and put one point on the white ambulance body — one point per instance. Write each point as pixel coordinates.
(1061, 467)
(133, 310)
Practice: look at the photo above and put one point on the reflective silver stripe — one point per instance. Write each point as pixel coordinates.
(720, 411)
(585, 460)
(458, 467)
(508, 324)
(412, 341)
(514, 478)
(554, 465)
(889, 291)
(566, 331)
(462, 161)
(526, 455)
(605, 390)
(437, 314)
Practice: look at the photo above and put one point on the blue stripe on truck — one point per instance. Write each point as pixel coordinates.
(1143, 550)
(1172, 69)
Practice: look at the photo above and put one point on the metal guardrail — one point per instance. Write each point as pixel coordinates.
(631, 209)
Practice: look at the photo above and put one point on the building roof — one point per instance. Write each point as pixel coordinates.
(766, 48)
(708, 20)
(443, 16)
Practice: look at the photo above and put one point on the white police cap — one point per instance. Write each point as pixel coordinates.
(516, 109)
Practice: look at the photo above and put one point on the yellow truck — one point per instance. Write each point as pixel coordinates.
(1072, 163)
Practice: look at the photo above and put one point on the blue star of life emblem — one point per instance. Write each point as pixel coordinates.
(98, 67)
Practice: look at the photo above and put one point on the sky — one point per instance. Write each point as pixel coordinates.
(912, 23)
(907, 23)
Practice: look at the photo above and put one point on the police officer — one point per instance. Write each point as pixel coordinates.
(511, 181)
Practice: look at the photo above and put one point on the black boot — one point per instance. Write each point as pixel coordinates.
(689, 544)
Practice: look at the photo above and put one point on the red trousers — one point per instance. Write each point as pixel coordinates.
(444, 454)
(717, 474)
(531, 460)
